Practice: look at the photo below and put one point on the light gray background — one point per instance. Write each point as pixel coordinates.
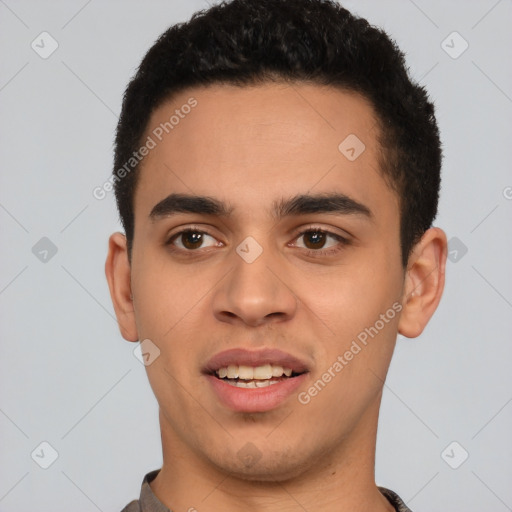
(68, 378)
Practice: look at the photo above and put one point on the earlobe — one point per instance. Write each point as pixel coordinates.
(424, 282)
(118, 273)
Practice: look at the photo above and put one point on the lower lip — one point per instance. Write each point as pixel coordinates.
(255, 399)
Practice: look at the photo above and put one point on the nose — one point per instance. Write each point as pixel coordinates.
(255, 293)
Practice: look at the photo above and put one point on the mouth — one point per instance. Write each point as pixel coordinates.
(254, 381)
(249, 377)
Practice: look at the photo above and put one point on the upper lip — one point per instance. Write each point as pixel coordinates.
(240, 356)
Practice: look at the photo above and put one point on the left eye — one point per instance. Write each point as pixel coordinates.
(190, 239)
(317, 238)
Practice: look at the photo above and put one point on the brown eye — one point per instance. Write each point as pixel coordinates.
(314, 239)
(190, 240)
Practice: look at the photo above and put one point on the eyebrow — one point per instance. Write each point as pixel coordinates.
(302, 204)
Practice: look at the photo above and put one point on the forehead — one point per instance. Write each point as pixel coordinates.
(251, 146)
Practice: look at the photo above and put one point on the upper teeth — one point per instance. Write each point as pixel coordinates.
(267, 371)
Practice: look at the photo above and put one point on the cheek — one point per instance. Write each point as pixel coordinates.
(164, 294)
(356, 313)
(349, 298)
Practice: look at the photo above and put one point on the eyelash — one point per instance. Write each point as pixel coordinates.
(343, 242)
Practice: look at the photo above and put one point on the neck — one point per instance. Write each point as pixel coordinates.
(341, 480)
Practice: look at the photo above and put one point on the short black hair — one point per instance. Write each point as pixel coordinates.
(251, 42)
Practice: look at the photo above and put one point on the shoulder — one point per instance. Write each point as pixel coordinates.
(395, 500)
(147, 501)
(133, 506)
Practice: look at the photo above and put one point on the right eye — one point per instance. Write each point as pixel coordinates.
(190, 239)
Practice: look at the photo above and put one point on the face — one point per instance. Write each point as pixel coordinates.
(294, 248)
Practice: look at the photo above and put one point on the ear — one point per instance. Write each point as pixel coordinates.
(117, 270)
(424, 282)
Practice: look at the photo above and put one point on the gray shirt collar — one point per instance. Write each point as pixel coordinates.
(148, 502)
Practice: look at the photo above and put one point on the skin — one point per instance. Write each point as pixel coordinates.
(249, 147)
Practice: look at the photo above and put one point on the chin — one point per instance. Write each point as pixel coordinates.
(267, 469)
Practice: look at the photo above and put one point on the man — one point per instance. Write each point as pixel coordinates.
(277, 175)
